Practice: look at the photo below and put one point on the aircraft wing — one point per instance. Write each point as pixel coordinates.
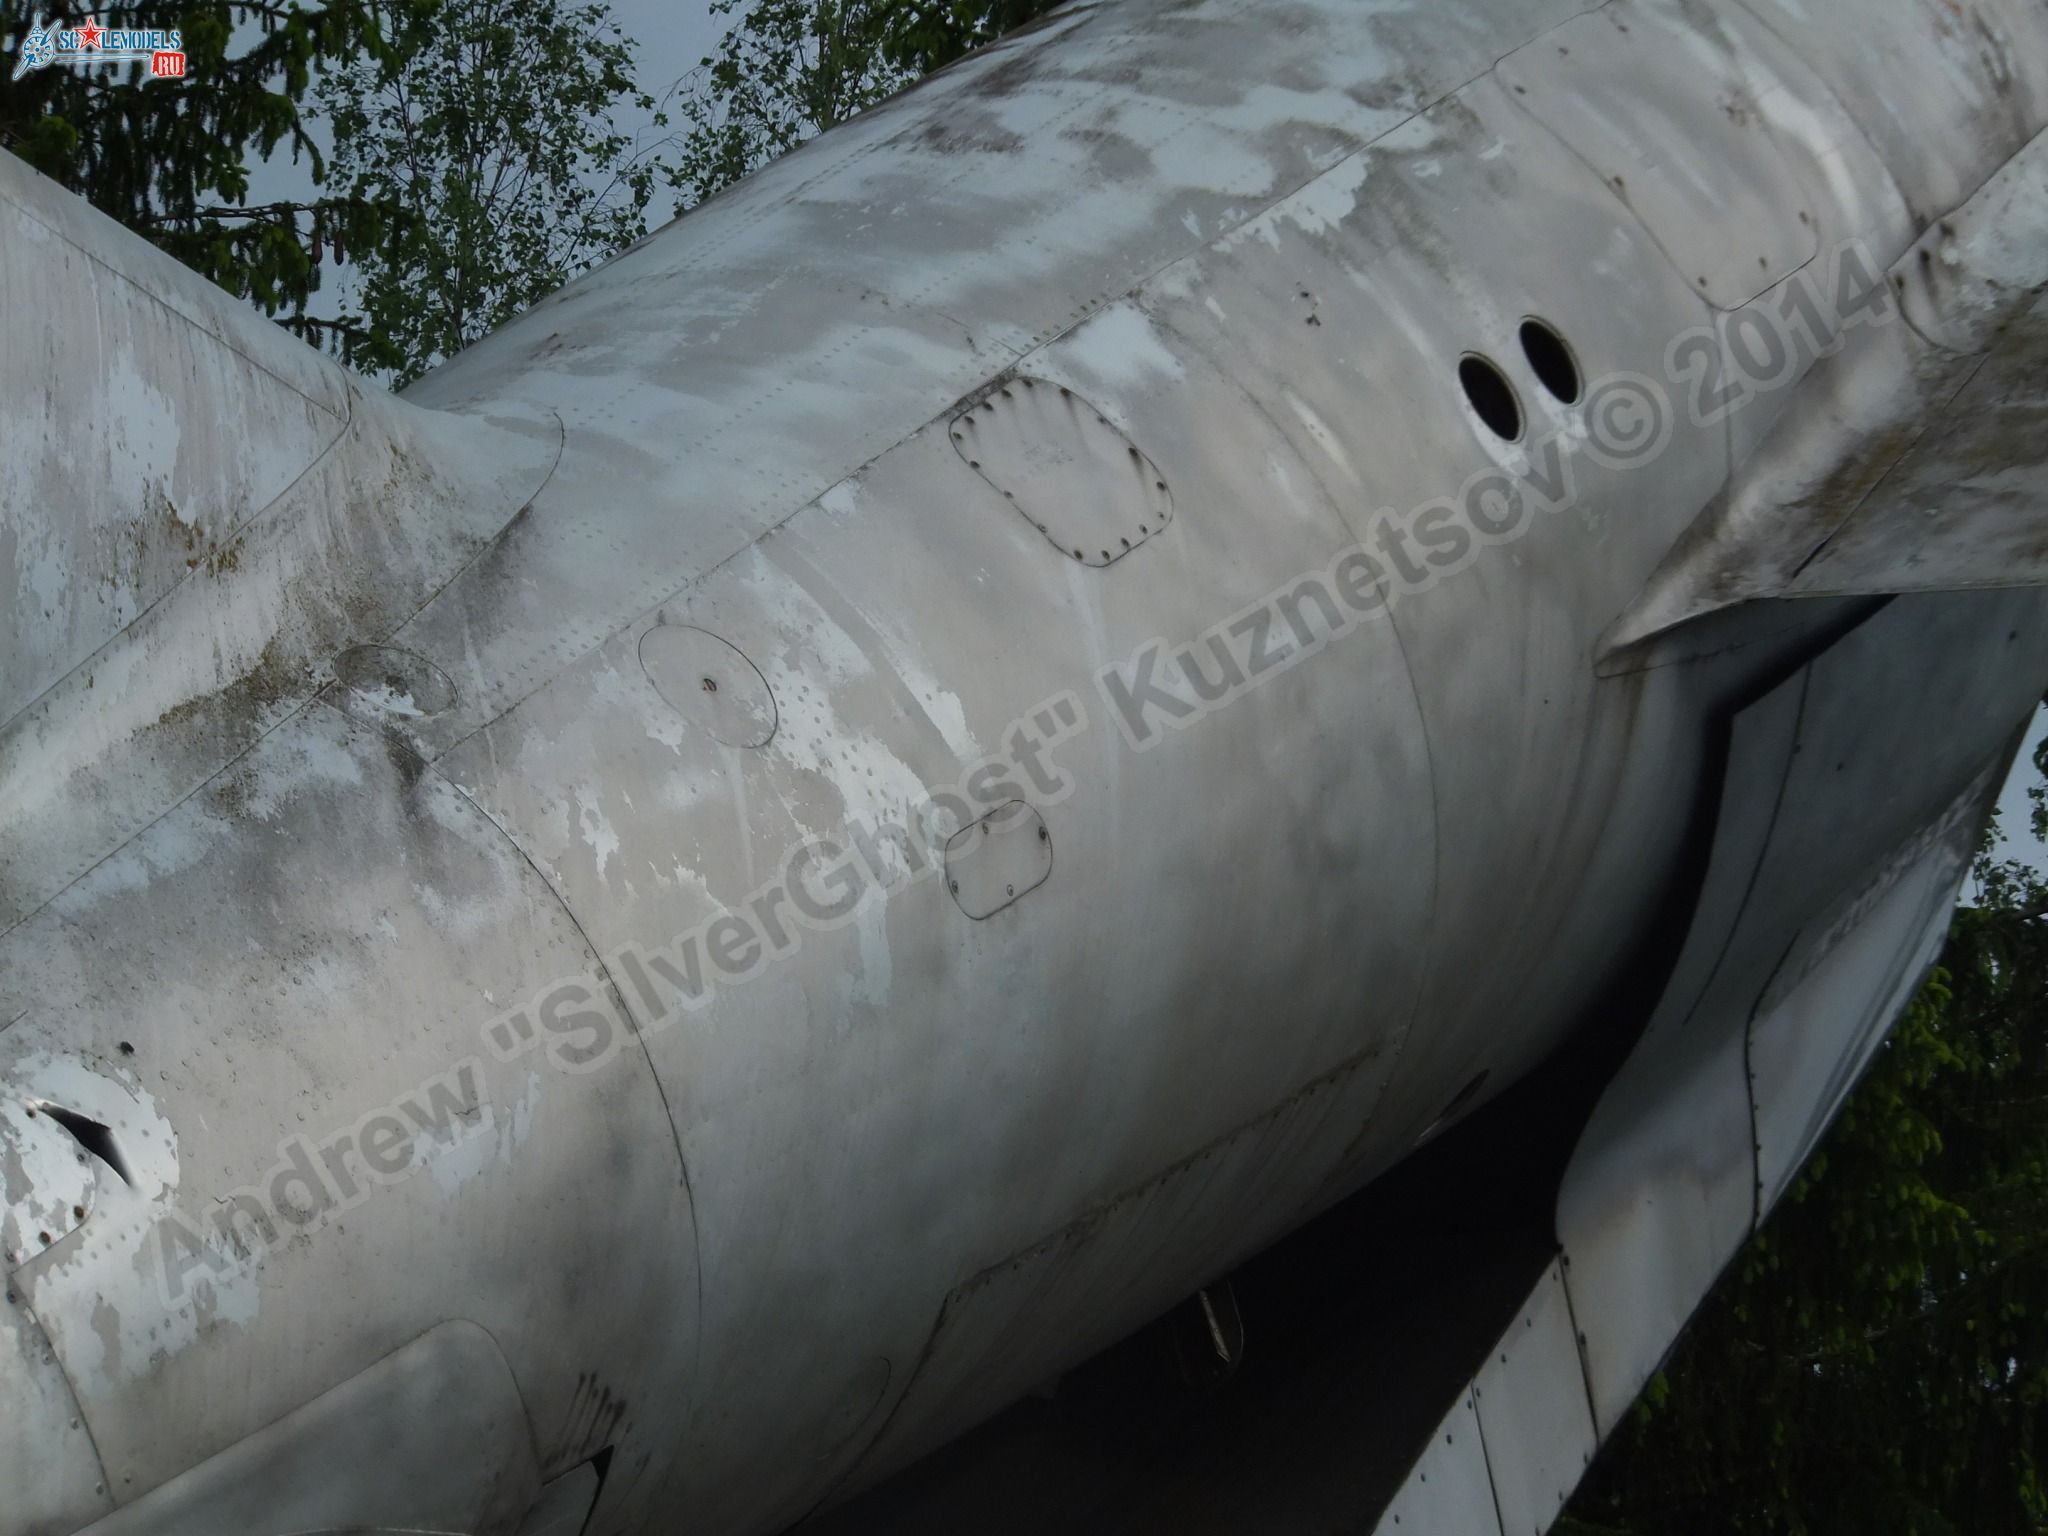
(1920, 460)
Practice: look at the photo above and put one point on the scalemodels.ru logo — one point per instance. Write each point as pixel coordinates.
(89, 45)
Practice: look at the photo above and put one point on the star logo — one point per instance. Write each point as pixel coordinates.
(92, 34)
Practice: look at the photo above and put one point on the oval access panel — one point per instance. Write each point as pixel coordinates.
(1060, 462)
(710, 684)
(994, 861)
(389, 680)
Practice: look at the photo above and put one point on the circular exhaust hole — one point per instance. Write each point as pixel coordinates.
(1491, 396)
(1551, 360)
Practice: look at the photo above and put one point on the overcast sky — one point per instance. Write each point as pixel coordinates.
(668, 40)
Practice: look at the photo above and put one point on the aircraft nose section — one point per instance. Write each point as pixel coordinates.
(48, 1470)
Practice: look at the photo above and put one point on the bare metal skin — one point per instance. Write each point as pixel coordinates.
(906, 773)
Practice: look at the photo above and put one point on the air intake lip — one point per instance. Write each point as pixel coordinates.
(96, 1139)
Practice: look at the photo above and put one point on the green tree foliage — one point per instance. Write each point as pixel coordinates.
(1875, 1363)
(930, 34)
(785, 70)
(171, 158)
(491, 122)
(788, 69)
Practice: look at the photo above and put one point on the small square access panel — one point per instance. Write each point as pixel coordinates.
(992, 862)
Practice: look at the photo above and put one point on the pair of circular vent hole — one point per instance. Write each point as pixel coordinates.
(1492, 397)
